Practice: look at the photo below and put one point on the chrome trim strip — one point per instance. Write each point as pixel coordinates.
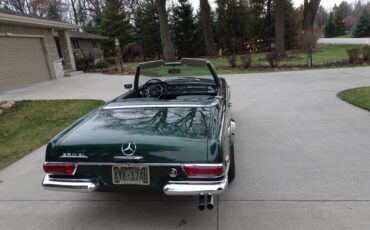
(70, 185)
(129, 157)
(136, 164)
(74, 157)
(214, 103)
(194, 182)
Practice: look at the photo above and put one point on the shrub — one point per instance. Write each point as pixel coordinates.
(132, 51)
(111, 60)
(101, 64)
(84, 62)
(353, 54)
(366, 52)
(305, 39)
(273, 59)
(232, 60)
(246, 60)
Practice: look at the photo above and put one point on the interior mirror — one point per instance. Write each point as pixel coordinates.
(128, 86)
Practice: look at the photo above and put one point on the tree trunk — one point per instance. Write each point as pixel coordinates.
(167, 46)
(279, 27)
(205, 12)
(309, 15)
(74, 10)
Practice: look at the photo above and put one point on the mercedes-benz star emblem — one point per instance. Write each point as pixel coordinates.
(128, 148)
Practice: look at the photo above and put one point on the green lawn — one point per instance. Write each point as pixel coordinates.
(324, 54)
(358, 96)
(31, 124)
(345, 36)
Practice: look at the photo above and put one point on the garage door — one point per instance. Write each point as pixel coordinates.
(22, 62)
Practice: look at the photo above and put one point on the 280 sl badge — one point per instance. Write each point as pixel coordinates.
(73, 155)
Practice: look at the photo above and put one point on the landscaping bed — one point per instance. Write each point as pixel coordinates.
(29, 124)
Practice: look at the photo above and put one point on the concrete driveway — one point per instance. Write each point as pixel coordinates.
(303, 162)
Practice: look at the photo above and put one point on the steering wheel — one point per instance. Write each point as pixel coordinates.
(154, 88)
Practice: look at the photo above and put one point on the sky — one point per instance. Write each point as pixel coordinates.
(327, 4)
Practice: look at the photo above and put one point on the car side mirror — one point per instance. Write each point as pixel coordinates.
(128, 86)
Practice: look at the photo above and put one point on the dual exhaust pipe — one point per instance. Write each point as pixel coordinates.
(205, 200)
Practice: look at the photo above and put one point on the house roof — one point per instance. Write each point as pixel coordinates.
(83, 35)
(16, 18)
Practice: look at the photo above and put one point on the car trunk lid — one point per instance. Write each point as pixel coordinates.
(165, 135)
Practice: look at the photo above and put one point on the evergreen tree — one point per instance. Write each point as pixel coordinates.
(330, 27)
(52, 11)
(183, 28)
(114, 24)
(340, 27)
(232, 28)
(291, 25)
(147, 30)
(362, 28)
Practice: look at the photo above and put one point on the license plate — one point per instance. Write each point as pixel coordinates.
(130, 175)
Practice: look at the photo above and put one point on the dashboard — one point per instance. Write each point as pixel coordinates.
(156, 88)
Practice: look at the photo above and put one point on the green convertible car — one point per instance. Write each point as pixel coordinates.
(171, 132)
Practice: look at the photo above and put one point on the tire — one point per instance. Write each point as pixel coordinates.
(231, 174)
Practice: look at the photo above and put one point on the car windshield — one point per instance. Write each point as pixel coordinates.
(175, 71)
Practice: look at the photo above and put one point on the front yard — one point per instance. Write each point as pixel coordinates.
(325, 55)
(30, 124)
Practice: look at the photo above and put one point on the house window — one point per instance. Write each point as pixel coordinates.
(94, 44)
(75, 44)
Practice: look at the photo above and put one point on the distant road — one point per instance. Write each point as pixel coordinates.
(365, 41)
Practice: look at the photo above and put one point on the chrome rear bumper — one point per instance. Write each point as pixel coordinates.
(173, 188)
(70, 185)
(188, 188)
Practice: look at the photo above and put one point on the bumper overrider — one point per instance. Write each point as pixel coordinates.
(172, 188)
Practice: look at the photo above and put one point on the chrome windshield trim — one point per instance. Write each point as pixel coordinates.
(212, 104)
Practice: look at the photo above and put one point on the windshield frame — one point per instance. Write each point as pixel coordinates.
(184, 61)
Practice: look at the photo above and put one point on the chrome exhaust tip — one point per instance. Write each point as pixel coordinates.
(201, 202)
(210, 201)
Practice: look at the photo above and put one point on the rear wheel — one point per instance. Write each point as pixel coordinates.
(231, 174)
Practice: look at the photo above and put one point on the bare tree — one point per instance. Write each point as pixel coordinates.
(279, 27)
(205, 12)
(75, 10)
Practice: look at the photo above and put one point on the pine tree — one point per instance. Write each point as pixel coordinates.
(183, 29)
(52, 11)
(147, 30)
(340, 27)
(362, 28)
(330, 27)
(114, 24)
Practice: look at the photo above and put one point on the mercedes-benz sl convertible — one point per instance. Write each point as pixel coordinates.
(171, 132)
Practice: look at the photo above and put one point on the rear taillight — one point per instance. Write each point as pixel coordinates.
(60, 168)
(204, 170)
